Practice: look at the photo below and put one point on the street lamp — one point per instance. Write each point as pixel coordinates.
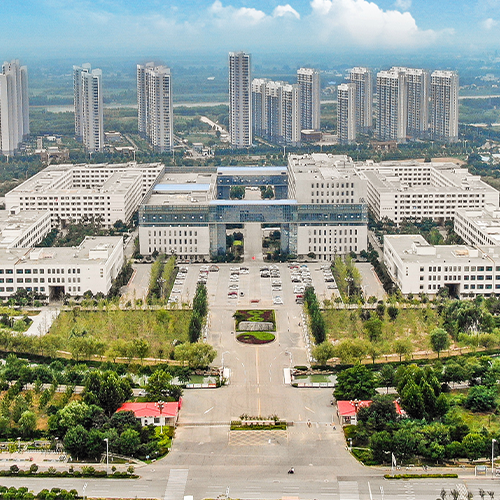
(349, 280)
(350, 445)
(161, 282)
(107, 455)
(493, 441)
(19, 445)
(56, 443)
(160, 405)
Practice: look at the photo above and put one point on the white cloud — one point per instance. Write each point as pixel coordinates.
(403, 4)
(285, 10)
(232, 14)
(489, 23)
(364, 23)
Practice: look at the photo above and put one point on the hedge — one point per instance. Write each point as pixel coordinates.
(420, 476)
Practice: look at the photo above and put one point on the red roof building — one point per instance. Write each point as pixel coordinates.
(347, 410)
(149, 413)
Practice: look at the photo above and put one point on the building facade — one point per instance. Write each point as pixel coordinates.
(346, 113)
(479, 227)
(240, 100)
(276, 111)
(57, 271)
(416, 191)
(319, 206)
(104, 193)
(88, 99)
(154, 106)
(418, 267)
(23, 229)
(14, 107)
(444, 106)
(391, 106)
(362, 78)
(310, 98)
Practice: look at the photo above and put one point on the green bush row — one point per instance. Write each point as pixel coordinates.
(420, 476)
(76, 473)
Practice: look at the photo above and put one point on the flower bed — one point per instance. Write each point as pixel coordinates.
(256, 338)
(255, 315)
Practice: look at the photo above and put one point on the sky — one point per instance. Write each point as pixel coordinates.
(55, 28)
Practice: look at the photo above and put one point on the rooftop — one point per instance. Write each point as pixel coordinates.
(151, 409)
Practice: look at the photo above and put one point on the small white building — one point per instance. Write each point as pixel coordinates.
(418, 267)
(479, 227)
(22, 229)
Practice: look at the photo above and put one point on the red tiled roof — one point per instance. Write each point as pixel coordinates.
(151, 409)
(348, 409)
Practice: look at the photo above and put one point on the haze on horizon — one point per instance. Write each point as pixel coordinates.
(101, 28)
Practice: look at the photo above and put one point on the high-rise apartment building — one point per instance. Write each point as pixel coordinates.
(444, 106)
(362, 78)
(391, 106)
(310, 103)
(89, 119)
(14, 106)
(276, 111)
(417, 101)
(240, 115)
(154, 105)
(346, 113)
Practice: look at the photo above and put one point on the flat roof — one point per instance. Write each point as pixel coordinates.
(249, 170)
(182, 187)
(253, 202)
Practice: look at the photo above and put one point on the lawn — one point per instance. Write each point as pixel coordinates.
(413, 324)
(159, 328)
(256, 315)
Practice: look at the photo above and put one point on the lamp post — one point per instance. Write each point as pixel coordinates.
(493, 441)
(349, 280)
(350, 445)
(160, 405)
(161, 282)
(19, 445)
(56, 443)
(107, 455)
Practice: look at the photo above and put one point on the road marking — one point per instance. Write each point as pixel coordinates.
(312, 411)
(370, 491)
(176, 484)
(210, 409)
(348, 490)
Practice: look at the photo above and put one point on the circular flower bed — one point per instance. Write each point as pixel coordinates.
(256, 338)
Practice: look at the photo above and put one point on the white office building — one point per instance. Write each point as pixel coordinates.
(23, 229)
(240, 100)
(362, 78)
(88, 99)
(105, 193)
(479, 227)
(310, 98)
(14, 107)
(444, 106)
(154, 105)
(418, 267)
(346, 113)
(416, 191)
(391, 106)
(57, 271)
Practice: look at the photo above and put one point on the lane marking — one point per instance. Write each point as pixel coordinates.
(210, 409)
(312, 411)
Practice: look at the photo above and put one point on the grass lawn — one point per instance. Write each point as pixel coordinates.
(256, 315)
(158, 328)
(256, 337)
(315, 378)
(414, 324)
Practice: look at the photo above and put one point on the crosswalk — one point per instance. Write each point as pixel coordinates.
(176, 484)
(348, 490)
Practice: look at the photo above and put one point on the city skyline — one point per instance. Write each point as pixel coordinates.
(54, 27)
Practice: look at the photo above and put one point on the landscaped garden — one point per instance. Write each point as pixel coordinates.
(256, 338)
(255, 316)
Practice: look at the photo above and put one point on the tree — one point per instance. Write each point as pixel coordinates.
(198, 355)
(323, 352)
(27, 423)
(380, 414)
(393, 312)
(439, 340)
(373, 327)
(19, 407)
(481, 399)
(159, 387)
(355, 383)
(473, 446)
(412, 400)
(141, 348)
(107, 390)
(349, 350)
(129, 441)
(75, 442)
(403, 347)
(386, 376)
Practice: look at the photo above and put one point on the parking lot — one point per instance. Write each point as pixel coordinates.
(253, 284)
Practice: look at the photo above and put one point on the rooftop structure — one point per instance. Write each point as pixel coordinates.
(418, 267)
(150, 413)
(479, 227)
(23, 229)
(105, 192)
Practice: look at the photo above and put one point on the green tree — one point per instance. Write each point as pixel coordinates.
(198, 355)
(403, 347)
(439, 340)
(75, 442)
(141, 348)
(107, 390)
(481, 398)
(129, 441)
(380, 414)
(373, 328)
(386, 376)
(350, 350)
(19, 407)
(27, 423)
(412, 400)
(355, 383)
(323, 352)
(473, 446)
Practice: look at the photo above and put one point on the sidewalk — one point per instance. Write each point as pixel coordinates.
(43, 321)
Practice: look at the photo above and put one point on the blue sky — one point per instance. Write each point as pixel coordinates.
(133, 27)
